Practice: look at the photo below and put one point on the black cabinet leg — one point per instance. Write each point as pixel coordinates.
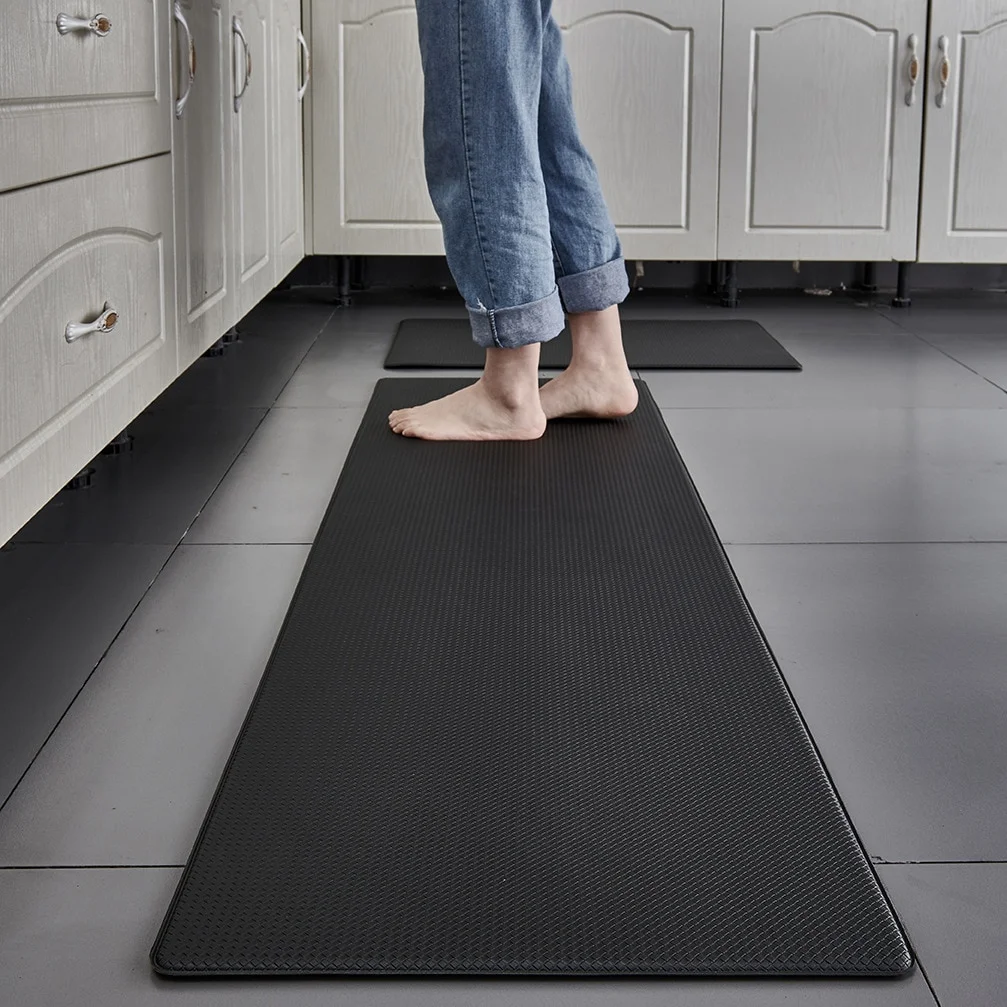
(712, 280)
(343, 298)
(358, 273)
(729, 290)
(120, 445)
(902, 298)
(869, 284)
(81, 481)
(219, 348)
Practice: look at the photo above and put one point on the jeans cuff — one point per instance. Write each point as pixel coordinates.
(508, 328)
(595, 289)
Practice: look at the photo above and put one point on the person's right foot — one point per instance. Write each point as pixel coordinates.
(582, 391)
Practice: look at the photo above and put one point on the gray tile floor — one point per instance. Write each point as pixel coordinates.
(861, 503)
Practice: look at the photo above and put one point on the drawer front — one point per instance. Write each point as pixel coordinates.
(77, 244)
(77, 101)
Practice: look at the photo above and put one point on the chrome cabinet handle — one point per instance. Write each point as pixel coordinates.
(99, 24)
(944, 70)
(236, 28)
(307, 65)
(191, 67)
(914, 70)
(105, 322)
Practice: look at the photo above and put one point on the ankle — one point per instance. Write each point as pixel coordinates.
(597, 339)
(595, 361)
(512, 395)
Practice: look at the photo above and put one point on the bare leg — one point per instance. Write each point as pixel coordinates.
(502, 405)
(598, 381)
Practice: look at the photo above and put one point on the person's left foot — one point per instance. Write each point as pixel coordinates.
(471, 414)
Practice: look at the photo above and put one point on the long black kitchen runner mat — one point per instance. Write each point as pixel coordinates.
(520, 719)
(674, 344)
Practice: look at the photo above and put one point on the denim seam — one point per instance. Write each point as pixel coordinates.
(468, 163)
(555, 251)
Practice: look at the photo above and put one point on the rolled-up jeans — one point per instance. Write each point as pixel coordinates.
(526, 228)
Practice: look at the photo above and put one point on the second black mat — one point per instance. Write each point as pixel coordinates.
(672, 344)
(520, 719)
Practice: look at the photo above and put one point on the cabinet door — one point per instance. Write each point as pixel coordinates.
(288, 187)
(252, 111)
(963, 216)
(646, 90)
(369, 191)
(201, 156)
(821, 129)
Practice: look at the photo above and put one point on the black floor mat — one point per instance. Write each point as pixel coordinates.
(673, 344)
(520, 719)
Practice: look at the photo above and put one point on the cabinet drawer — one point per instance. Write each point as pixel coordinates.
(77, 101)
(76, 244)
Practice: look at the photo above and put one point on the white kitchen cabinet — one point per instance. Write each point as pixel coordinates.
(963, 212)
(114, 279)
(288, 184)
(369, 193)
(821, 129)
(202, 163)
(646, 91)
(253, 144)
(92, 248)
(85, 97)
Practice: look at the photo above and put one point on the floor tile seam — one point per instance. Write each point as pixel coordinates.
(249, 545)
(935, 863)
(91, 867)
(961, 363)
(923, 339)
(303, 356)
(89, 676)
(874, 542)
(234, 461)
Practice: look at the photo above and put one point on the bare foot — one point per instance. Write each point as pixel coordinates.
(605, 392)
(471, 414)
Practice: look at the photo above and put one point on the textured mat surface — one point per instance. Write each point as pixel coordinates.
(519, 719)
(673, 344)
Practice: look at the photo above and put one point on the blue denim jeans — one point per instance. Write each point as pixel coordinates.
(526, 229)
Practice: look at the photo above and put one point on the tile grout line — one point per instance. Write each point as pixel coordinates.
(934, 863)
(93, 867)
(926, 979)
(939, 349)
(266, 410)
(104, 654)
(310, 347)
(960, 541)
